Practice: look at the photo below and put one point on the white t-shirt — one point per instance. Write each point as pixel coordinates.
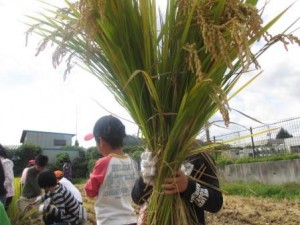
(9, 176)
(68, 184)
(24, 175)
(111, 182)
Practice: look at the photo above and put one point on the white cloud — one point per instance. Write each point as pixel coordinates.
(34, 96)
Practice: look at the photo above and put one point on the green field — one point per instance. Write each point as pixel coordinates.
(290, 191)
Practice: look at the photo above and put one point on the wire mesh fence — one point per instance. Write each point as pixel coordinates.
(276, 138)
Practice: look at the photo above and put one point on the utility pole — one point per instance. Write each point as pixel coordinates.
(252, 141)
(76, 141)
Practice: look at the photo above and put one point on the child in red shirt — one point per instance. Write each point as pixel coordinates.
(113, 176)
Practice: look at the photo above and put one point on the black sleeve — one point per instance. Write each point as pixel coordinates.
(141, 191)
(203, 190)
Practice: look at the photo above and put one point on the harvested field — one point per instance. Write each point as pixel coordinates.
(256, 211)
(243, 211)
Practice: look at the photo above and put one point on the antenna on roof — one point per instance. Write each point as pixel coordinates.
(76, 141)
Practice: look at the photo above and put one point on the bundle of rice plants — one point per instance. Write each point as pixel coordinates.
(172, 71)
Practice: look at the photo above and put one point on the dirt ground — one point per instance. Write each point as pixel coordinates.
(243, 211)
(256, 211)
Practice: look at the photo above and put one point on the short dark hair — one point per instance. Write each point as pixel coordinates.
(47, 179)
(111, 129)
(41, 160)
(2, 151)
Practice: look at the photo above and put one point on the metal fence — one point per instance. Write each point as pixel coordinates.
(269, 139)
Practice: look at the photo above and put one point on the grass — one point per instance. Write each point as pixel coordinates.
(289, 191)
(13, 211)
(226, 161)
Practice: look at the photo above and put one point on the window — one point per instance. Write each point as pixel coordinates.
(295, 149)
(59, 142)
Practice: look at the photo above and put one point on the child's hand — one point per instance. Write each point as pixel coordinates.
(38, 200)
(176, 184)
(41, 208)
(45, 205)
(148, 169)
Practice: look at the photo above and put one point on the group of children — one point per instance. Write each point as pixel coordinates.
(59, 203)
(115, 183)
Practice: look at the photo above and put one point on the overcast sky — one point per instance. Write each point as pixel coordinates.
(34, 95)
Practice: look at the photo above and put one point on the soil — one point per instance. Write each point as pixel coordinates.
(243, 211)
(256, 211)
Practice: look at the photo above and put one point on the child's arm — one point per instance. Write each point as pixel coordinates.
(203, 189)
(93, 184)
(141, 191)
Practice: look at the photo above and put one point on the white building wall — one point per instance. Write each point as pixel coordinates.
(291, 142)
(47, 139)
(51, 143)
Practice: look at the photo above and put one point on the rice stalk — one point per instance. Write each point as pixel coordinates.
(172, 72)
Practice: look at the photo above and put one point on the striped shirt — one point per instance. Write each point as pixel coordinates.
(66, 206)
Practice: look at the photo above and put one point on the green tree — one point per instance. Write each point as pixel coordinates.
(282, 133)
(92, 153)
(28, 151)
(23, 154)
(133, 146)
(80, 165)
(61, 158)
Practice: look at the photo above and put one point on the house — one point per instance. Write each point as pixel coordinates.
(292, 144)
(51, 143)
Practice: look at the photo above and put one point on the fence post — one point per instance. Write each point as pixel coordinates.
(252, 141)
(207, 132)
(216, 152)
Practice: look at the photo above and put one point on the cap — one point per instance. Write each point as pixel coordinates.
(31, 162)
(110, 128)
(58, 174)
(88, 137)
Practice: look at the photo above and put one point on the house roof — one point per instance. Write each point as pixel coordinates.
(35, 131)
